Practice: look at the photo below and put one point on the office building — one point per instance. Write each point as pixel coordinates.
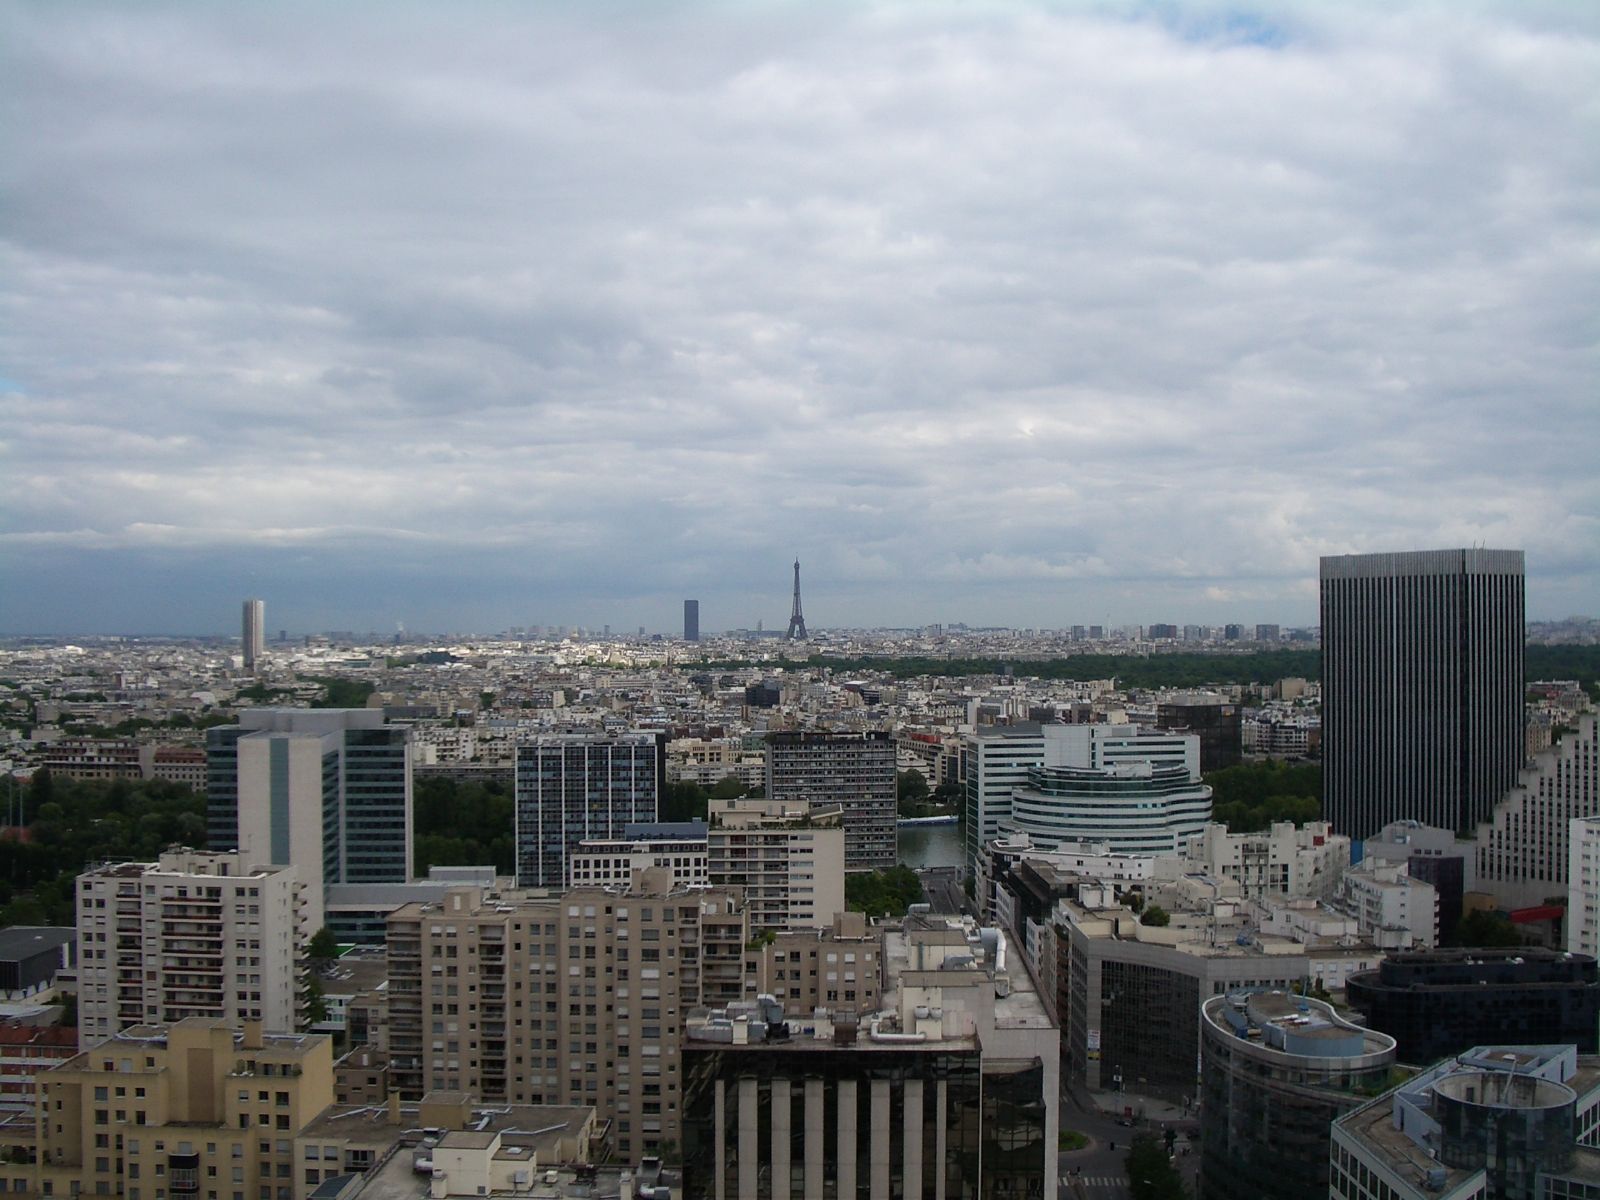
(577, 998)
(1583, 886)
(192, 935)
(998, 758)
(952, 1089)
(1439, 1002)
(1422, 674)
(1218, 723)
(199, 1108)
(255, 633)
(853, 772)
(1130, 808)
(691, 620)
(1276, 1069)
(327, 790)
(678, 846)
(1497, 1122)
(1524, 849)
(573, 788)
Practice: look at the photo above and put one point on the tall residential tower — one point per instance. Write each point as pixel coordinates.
(1422, 677)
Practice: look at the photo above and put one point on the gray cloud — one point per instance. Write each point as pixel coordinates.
(1000, 315)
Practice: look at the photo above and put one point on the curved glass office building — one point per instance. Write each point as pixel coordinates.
(1133, 808)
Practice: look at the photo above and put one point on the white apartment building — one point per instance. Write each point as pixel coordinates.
(192, 935)
(1396, 911)
(1283, 860)
(998, 759)
(1523, 850)
(677, 846)
(788, 859)
(1583, 886)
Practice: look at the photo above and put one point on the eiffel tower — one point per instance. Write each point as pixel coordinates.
(797, 620)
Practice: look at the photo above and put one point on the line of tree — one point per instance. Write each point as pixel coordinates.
(72, 824)
(1251, 796)
(1177, 669)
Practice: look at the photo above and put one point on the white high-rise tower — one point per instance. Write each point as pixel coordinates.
(255, 632)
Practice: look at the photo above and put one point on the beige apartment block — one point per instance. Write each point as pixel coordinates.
(194, 1109)
(192, 935)
(839, 968)
(577, 999)
(787, 857)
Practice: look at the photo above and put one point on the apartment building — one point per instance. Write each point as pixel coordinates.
(839, 968)
(191, 935)
(198, 1109)
(849, 771)
(788, 859)
(572, 788)
(575, 999)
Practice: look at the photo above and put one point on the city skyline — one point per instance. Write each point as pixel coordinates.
(481, 317)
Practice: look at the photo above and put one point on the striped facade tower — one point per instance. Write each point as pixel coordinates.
(1422, 680)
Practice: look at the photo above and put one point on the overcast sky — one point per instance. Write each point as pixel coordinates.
(467, 316)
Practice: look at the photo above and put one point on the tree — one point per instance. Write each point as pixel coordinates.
(1156, 915)
(322, 948)
(684, 800)
(882, 893)
(316, 1002)
(729, 787)
(1151, 1175)
(1481, 928)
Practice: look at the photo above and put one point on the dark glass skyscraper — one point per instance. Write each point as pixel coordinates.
(1422, 678)
(691, 620)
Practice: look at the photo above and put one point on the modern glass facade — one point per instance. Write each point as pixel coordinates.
(808, 1120)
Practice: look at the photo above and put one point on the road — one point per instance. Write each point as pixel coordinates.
(1099, 1171)
(942, 886)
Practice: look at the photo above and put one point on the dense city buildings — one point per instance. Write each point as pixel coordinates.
(576, 787)
(1495, 1122)
(192, 935)
(327, 790)
(1439, 1002)
(1276, 1069)
(254, 639)
(852, 772)
(1422, 676)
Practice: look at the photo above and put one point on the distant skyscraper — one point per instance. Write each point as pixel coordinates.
(691, 620)
(1422, 678)
(255, 632)
(576, 787)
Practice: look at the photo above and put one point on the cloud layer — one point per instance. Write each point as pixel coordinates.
(473, 316)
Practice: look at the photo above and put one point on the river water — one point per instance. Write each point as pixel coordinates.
(930, 845)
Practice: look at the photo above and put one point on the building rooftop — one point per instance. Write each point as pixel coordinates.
(24, 941)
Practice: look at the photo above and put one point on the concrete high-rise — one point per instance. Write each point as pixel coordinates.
(193, 935)
(691, 620)
(854, 772)
(577, 787)
(1422, 677)
(255, 632)
(326, 789)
